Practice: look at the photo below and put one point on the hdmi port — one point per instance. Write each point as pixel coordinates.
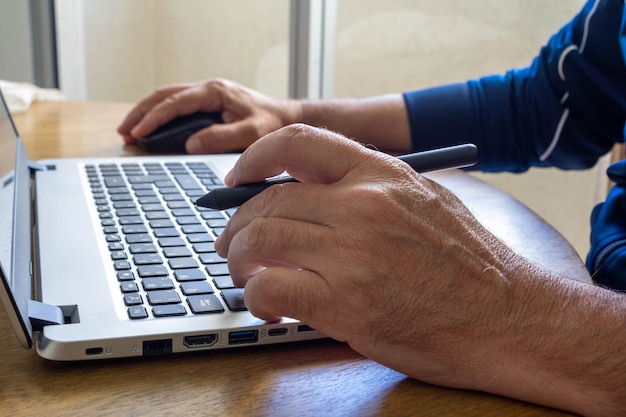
(200, 341)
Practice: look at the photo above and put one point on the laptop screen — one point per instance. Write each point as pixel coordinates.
(15, 239)
(8, 144)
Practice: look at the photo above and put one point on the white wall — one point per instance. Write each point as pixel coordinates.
(15, 41)
(131, 47)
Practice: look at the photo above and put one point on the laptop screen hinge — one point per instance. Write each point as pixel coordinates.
(35, 166)
(42, 314)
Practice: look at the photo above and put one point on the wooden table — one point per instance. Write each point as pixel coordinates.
(320, 378)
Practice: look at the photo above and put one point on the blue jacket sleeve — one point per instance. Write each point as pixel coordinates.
(566, 109)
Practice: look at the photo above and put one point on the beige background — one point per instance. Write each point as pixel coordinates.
(131, 47)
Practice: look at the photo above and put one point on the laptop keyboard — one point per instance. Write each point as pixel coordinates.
(160, 243)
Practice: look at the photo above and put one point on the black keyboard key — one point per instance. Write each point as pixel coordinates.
(137, 312)
(121, 197)
(130, 220)
(234, 299)
(211, 214)
(116, 246)
(133, 299)
(161, 223)
(151, 199)
(171, 241)
(187, 182)
(125, 276)
(147, 259)
(182, 212)
(215, 270)
(193, 228)
(138, 238)
(121, 265)
(211, 258)
(142, 248)
(173, 195)
(153, 284)
(111, 182)
(184, 275)
(169, 310)
(127, 212)
(187, 220)
(152, 207)
(223, 282)
(166, 232)
(196, 287)
(212, 223)
(149, 271)
(177, 252)
(200, 238)
(182, 263)
(154, 215)
(202, 304)
(129, 286)
(163, 297)
(134, 228)
(117, 255)
(173, 205)
(199, 192)
(204, 247)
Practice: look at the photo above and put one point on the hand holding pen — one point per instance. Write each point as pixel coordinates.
(439, 159)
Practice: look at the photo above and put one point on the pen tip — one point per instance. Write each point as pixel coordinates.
(207, 201)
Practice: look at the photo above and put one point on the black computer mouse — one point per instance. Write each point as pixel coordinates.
(171, 137)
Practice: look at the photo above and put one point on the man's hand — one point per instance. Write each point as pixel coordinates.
(369, 252)
(247, 114)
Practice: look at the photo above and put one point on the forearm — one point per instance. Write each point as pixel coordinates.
(570, 346)
(380, 121)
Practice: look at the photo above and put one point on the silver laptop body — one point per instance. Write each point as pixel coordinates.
(61, 289)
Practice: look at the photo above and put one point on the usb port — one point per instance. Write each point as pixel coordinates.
(243, 337)
(281, 331)
(94, 351)
(305, 328)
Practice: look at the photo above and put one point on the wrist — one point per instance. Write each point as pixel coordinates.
(567, 351)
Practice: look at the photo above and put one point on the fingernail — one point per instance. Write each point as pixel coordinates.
(228, 178)
(217, 244)
(194, 145)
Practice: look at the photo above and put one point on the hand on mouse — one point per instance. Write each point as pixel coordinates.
(247, 114)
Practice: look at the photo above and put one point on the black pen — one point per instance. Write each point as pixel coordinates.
(445, 158)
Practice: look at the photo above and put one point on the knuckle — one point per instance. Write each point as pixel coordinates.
(255, 235)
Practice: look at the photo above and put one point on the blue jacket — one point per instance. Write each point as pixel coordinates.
(565, 110)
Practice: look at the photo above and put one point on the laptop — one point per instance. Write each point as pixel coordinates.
(108, 257)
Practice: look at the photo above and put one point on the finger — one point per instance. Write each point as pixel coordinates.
(220, 138)
(307, 153)
(268, 242)
(144, 106)
(284, 201)
(284, 292)
(178, 103)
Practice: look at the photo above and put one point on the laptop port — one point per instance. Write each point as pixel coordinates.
(94, 351)
(157, 347)
(243, 337)
(305, 328)
(281, 331)
(200, 341)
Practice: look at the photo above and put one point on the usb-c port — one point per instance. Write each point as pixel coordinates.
(281, 331)
(94, 351)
